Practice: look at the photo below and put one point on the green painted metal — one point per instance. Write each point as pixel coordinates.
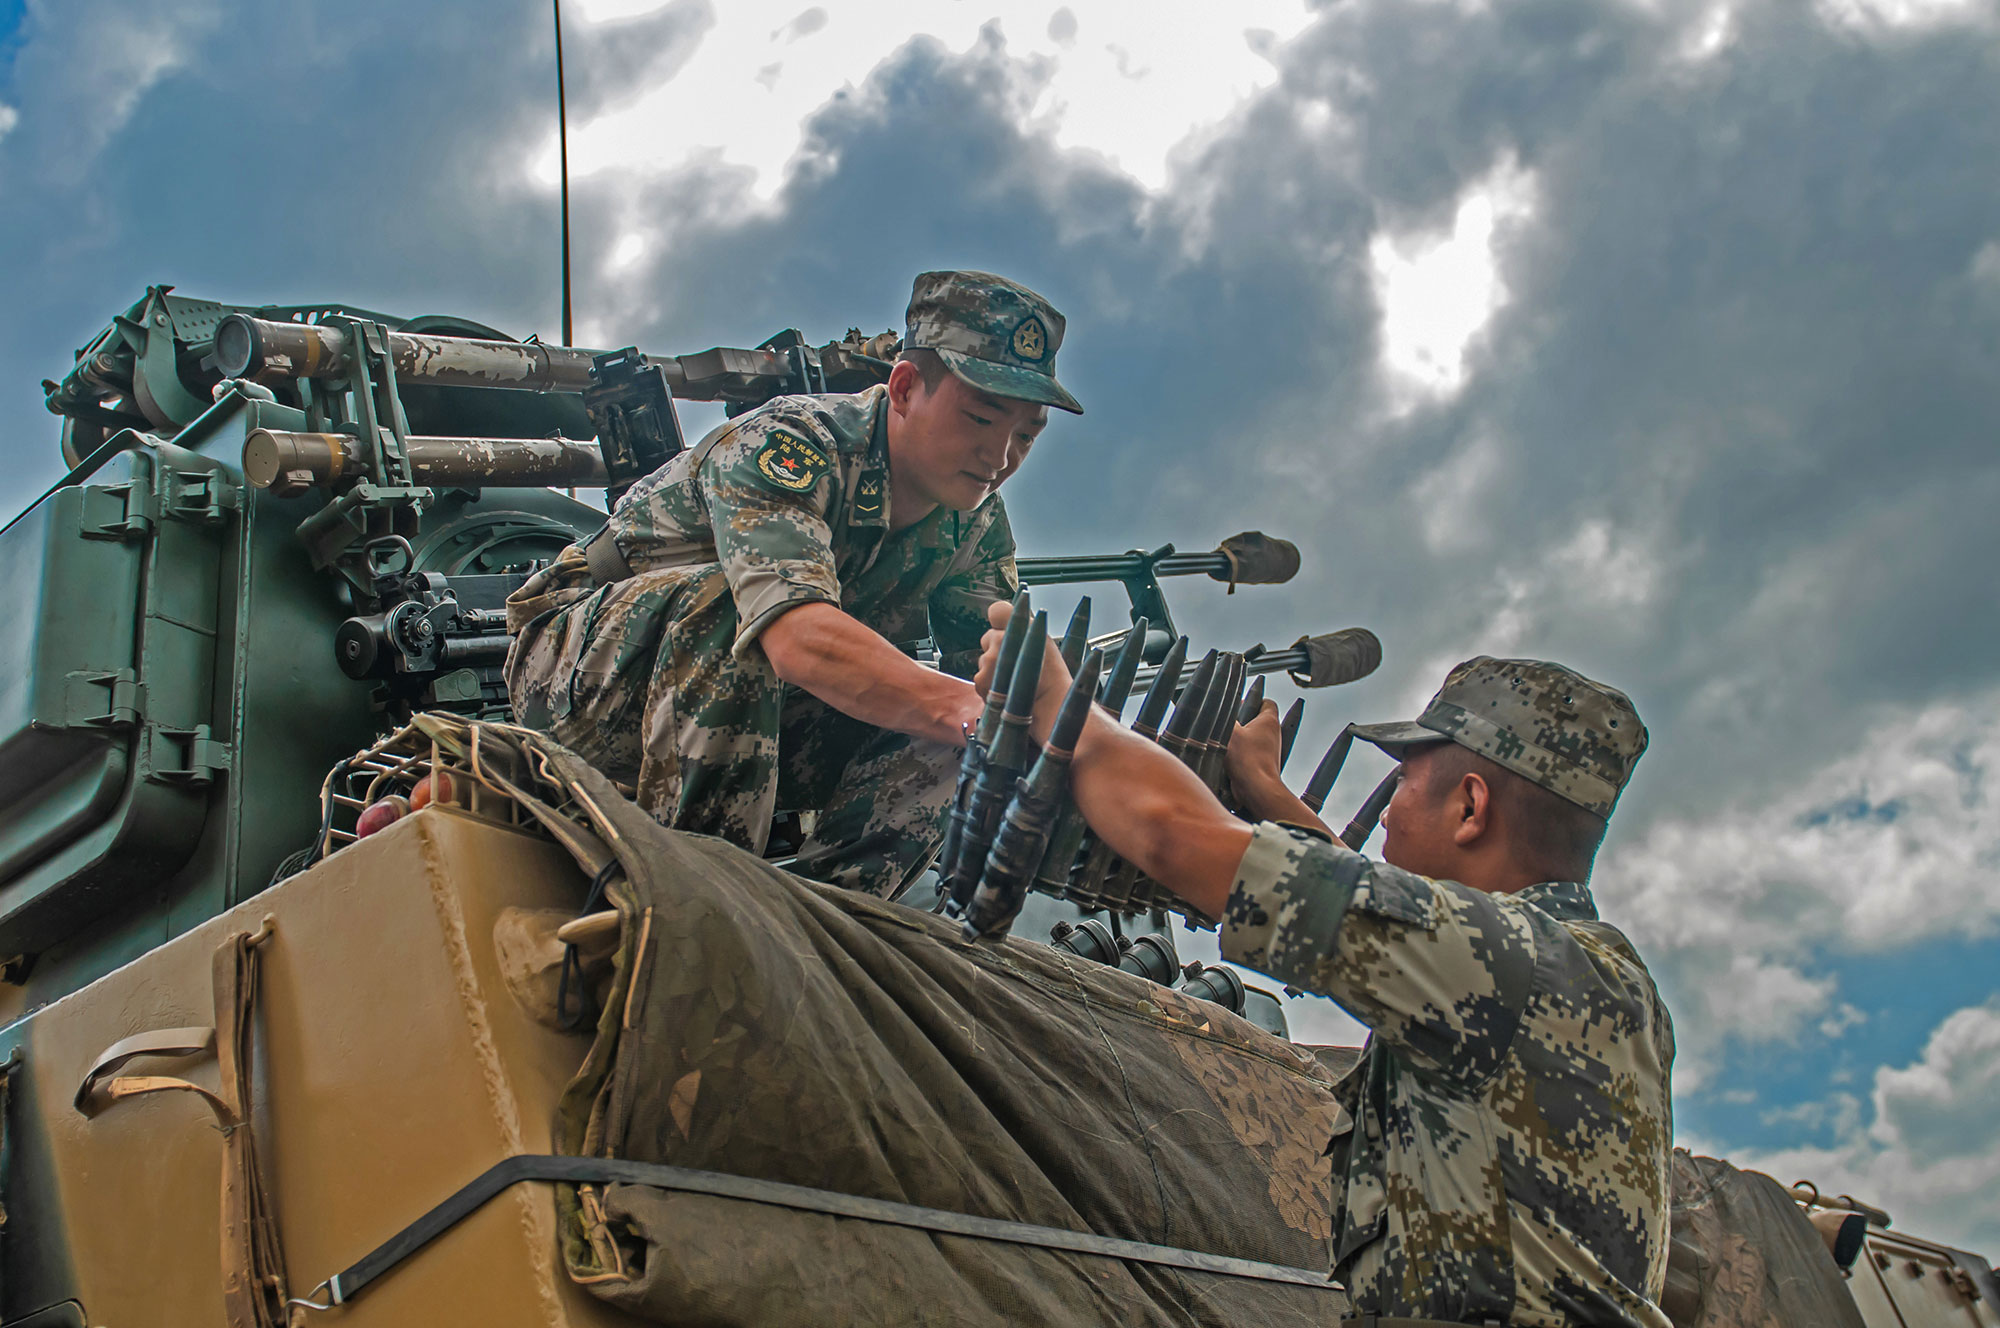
(169, 695)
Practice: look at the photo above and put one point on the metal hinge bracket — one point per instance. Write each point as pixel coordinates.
(188, 757)
(205, 497)
(119, 511)
(113, 700)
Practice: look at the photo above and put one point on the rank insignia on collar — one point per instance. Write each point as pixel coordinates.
(868, 495)
(791, 463)
(1031, 339)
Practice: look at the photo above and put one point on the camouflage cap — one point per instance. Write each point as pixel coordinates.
(1577, 738)
(996, 334)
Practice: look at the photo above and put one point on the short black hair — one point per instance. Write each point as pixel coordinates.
(1552, 836)
(930, 365)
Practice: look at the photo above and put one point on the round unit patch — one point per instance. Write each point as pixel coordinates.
(791, 463)
(1031, 339)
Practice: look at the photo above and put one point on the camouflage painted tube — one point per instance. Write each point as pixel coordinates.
(1023, 836)
(1006, 759)
(289, 464)
(1323, 777)
(1370, 815)
(247, 347)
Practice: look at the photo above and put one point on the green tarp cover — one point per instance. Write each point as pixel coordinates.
(1743, 1255)
(764, 1026)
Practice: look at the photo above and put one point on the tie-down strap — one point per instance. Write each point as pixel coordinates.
(346, 1285)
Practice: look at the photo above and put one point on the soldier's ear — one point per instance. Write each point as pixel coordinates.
(906, 382)
(1472, 809)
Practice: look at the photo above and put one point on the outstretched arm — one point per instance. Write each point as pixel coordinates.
(1137, 796)
(820, 648)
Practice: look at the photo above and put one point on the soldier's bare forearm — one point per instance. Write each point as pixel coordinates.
(852, 668)
(1157, 814)
(1267, 799)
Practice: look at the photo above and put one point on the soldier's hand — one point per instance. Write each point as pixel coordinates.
(1255, 754)
(1051, 687)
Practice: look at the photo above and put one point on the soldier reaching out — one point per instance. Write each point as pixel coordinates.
(725, 642)
(1511, 1130)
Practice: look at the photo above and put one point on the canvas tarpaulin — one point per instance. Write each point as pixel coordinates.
(764, 1026)
(1743, 1255)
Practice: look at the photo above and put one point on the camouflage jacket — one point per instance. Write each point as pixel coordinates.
(1509, 1152)
(792, 499)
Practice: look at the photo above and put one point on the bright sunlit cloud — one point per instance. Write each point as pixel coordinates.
(1126, 80)
(1438, 292)
(1891, 14)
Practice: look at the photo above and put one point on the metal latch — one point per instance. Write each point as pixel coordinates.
(188, 757)
(114, 700)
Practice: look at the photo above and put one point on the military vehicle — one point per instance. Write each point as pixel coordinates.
(266, 602)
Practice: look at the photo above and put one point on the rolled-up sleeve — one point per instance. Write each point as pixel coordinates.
(1437, 970)
(769, 487)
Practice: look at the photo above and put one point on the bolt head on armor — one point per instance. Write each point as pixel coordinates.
(1551, 725)
(996, 334)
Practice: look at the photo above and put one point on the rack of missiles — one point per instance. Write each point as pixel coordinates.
(1013, 827)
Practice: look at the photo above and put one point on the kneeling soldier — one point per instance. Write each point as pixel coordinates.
(724, 643)
(1511, 1129)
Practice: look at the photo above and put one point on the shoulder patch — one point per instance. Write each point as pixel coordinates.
(790, 462)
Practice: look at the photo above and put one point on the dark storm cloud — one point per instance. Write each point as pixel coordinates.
(291, 153)
(1745, 333)
(1743, 337)
(1742, 329)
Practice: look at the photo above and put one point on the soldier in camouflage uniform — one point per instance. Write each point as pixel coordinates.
(724, 644)
(1510, 1130)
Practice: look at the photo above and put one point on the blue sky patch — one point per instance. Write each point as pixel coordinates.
(1767, 1097)
(13, 23)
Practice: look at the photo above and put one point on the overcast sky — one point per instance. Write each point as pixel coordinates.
(1659, 338)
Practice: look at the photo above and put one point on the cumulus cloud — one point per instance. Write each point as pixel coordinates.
(90, 64)
(1924, 1148)
(1745, 913)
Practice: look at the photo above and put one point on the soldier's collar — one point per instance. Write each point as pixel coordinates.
(1565, 901)
(929, 533)
(869, 505)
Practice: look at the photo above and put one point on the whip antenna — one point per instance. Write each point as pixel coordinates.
(562, 147)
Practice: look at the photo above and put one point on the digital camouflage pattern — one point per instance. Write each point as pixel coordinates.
(1574, 737)
(1509, 1154)
(658, 680)
(996, 334)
